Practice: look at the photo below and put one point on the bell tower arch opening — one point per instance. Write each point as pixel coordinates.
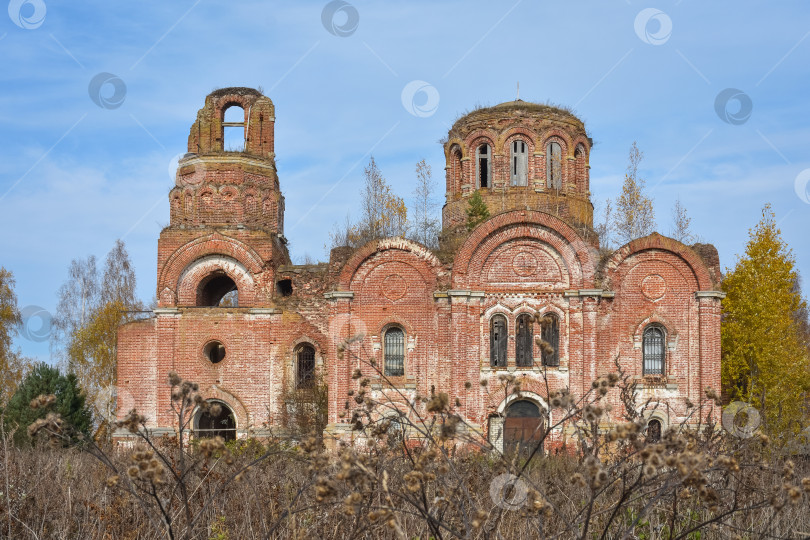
(233, 128)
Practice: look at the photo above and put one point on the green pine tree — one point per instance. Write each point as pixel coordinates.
(477, 211)
(70, 403)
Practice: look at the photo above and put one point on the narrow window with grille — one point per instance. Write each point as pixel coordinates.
(497, 341)
(482, 160)
(305, 367)
(523, 342)
(394, 352)
(653, 351)
(551, 334)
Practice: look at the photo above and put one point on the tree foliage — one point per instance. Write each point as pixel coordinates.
(634, 214)
(765, 360)
(681, 222)
(425, 228)
(382, 213)
(13, 365)
(69, 402)
(477, 211)
(89, 312)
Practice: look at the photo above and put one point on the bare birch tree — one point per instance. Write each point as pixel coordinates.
(425, 224)
(635, 216)
(680, 224)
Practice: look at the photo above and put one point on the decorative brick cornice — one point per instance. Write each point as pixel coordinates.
(710, 294)
(336, 295)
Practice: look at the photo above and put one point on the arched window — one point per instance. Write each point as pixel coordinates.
(483, 166)
(581, 168)
(217, 290)
(550, 334)
(497, 341)
(654, 430)
(233, 129)
(455, 170)
(222, 424)
(653, 350)
(554, 165)
(394, 352)
(520, 163)
(305, 367)
(523, 341)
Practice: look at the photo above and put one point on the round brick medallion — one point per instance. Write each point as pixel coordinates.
(394, 287)
(654, 287)
(524, 264)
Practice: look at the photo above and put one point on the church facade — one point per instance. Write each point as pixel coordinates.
(235, 316)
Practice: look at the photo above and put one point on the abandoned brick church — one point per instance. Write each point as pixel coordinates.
(237, 317)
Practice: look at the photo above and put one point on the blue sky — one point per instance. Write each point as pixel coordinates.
(74, 176)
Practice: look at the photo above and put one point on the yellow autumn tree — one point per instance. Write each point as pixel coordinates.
(764, 356)
(382, 213)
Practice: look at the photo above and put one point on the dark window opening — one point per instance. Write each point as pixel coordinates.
(554, 165)
(523, 343)
(497, 341)
(218, 290)
(394, 352)
(214, 351)
(654, 430)
(305, 367)
(482, 156)
(523, 428)
(550, 334)
(653, 351)
(284, 287)
(222, 425)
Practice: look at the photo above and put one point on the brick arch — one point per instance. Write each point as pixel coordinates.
(429, 271)
(189, 280)
(238, 408)
(656, 241)
(518, 224)
(582, 140)
(518, 131)
(212, 244)
(641, 324)
(550, 134)
(455, 141)
(475, 138)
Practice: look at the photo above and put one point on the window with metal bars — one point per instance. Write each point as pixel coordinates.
(550, 334)
(520, 163)
(497, 341)
(523, 341)
(305, 367)
(652, 347)
(394, 352)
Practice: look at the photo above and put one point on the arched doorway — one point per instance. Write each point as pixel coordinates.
(654, 430)
(522, 427)
(222, 425)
